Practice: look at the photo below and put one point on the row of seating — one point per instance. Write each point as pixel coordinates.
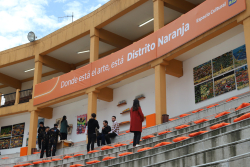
(119, 151)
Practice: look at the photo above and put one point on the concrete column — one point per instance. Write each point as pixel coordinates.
(32, 131)
(37, 71)
(17, 96)
(92, 103)
(246, 24)
(0, 99)
(158, 14)
(160, 93)
(94, 45)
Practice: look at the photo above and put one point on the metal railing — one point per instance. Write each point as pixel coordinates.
(9, 99)
(25, 95)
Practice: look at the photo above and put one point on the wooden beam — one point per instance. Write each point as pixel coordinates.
(46, 113)
(43, 75)
(3, 86)
(181, 6)
(100, 56)
(106, 94)
(175, 68)
(158, 14)
(9, 81)
(56, 64)
(113, 39)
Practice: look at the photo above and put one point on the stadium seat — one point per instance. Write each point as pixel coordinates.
(182, 126)
(219, 125)
(147, 137)
(108, 158)
(180, 139)
(200, 121)
(106, 147)
(161, 133)
(197, 133)
(162, 144)
(144, 149)
(242, 106)
(124, 154)
(197, 110)
(221, 114)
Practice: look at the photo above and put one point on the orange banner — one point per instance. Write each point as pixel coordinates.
(190, 25)
(197, 21)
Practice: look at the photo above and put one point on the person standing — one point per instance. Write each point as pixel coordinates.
(64, 128)
(136, 119)
(92, 126)
(54, 133)
(114, 131)
(45, 143)
(105, 129)
(40, 131)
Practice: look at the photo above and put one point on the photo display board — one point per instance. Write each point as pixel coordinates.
(220, 75)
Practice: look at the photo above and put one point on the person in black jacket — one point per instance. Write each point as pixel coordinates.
(45, 143)
(41, 129)
(105, 130)
(54, 133)
(92, 125)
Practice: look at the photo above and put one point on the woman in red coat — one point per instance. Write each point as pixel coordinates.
(136, 119)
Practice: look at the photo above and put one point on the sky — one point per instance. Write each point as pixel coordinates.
(19, 17)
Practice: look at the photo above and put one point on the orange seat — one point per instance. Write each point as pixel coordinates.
(197, 110)
(67, 157)
(18, 165)
(232, 98)
(77, 155)
(93, 151)
(5, 158)
(127, 131)
(144, 149)
(147, 137)
(108, 158)
(92, 162)
(38, 162)
(132, 142)
(45, 161)
(161, 133)
(126, 153)
(162, 144)
(56, 159)
(119, 145)
(221, 114)
(242, 106)
(184, 115)
(76, 165)
(143, 127)
(122, 134)
(245, 116)
(172, 119)
(180, 139)
(28, 164)
(106, 148)
(200, 121)
(212, 105)
(182, 126)
(197, 133)
(219, 125)
(36, 152)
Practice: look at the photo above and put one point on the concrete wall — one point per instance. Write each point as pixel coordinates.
(10, 120)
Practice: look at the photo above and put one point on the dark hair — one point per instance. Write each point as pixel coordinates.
(114, 117)
(93, 115)
(46, 127)
(64, 118)
(105, 121)
(41, 123)
(136, 105)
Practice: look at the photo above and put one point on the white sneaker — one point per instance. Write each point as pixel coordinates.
(137, 145)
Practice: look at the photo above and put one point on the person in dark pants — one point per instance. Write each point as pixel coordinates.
(45, 143)
(64, 128)
(136, 119)
(54, 133)
(114, 131)
(105, 129)
(92, 125)
(40, 131)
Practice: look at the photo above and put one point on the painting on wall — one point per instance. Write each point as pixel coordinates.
(6, 131)
(81, 124)
(5, 143)
(16, 142)
(18, 129)
(204, 91)
(202, 72)
(242, 77)
(223, 63)
(239, 55)
(58, 122)
(224, 83)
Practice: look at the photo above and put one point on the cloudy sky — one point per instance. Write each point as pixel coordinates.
(18, 17)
